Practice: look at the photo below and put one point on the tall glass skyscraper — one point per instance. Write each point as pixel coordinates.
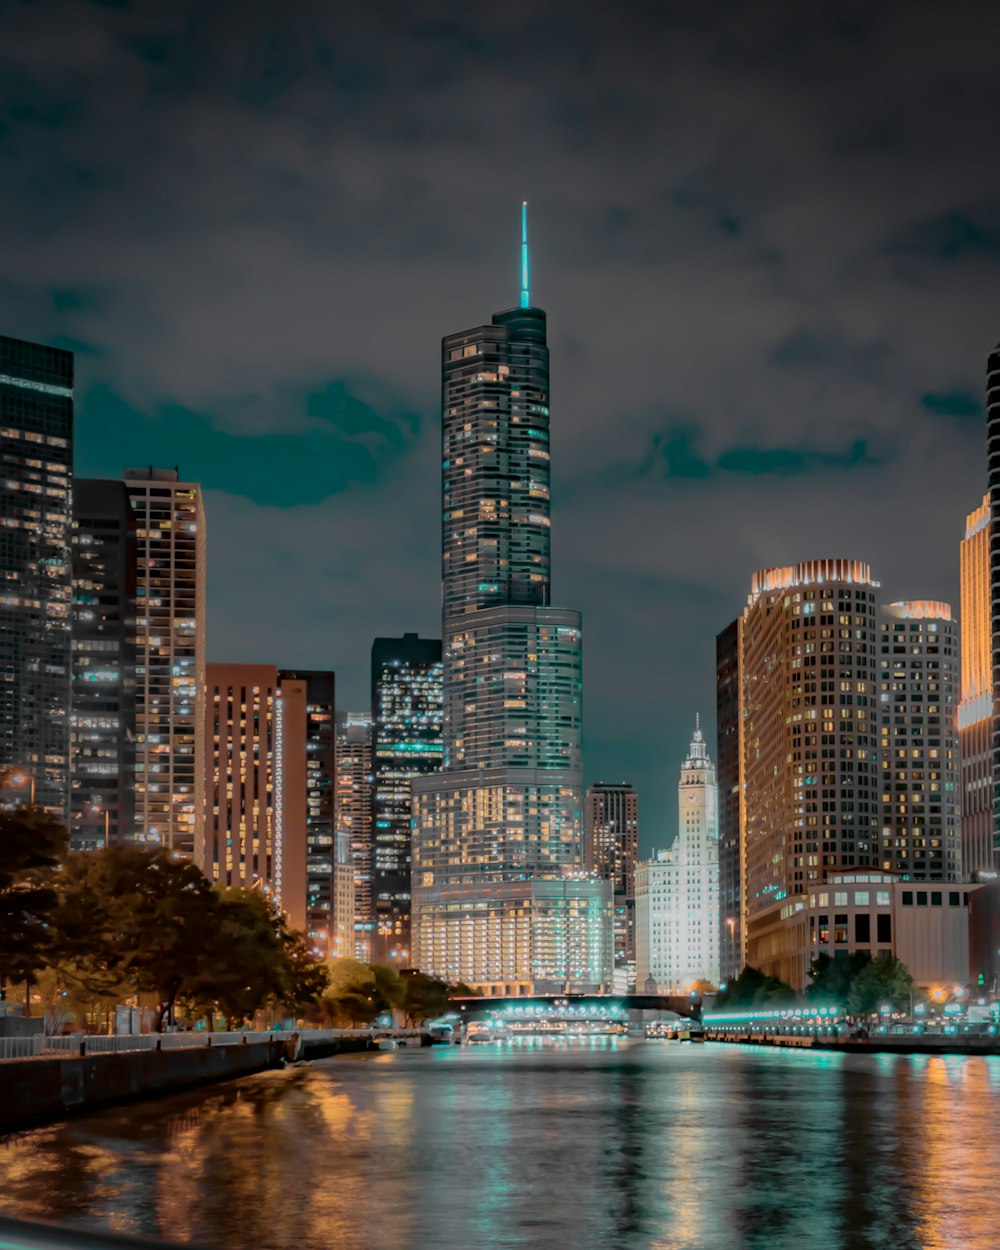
(102, 808)
(406, 743)
(170, 659)
(36, 444)
(501, 896)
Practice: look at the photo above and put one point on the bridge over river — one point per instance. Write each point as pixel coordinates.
(581, 1006)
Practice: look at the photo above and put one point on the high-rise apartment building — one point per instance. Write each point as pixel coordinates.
(240, 765)
(809, 743)
(729, 701)
(677, 892)
(919, 742)
(501, 897)
(611, 848)
(102, 805)
(993, 437)
(975, 711)
(354, 819)
(406, 743)
(36, 447)
(306, 712)
(170, 658)
(269, 790)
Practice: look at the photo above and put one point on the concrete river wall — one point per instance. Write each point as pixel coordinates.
(38, 1091)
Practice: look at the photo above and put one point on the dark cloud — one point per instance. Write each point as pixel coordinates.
(677, 453)
(334, 438)
(954, 403)
(767, 236)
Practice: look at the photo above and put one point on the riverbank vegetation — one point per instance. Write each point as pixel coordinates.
(83, 934)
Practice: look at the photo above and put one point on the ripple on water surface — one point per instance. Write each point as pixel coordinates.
(609, 1144)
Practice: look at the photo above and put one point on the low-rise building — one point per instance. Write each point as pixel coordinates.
(924, 925)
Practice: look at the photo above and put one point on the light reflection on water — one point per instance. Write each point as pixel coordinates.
(607, 1143)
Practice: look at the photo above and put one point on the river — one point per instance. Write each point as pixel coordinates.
(570, 1146)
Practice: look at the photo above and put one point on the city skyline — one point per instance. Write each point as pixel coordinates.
(793, 316)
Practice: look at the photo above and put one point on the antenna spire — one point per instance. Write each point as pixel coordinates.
(525, 297)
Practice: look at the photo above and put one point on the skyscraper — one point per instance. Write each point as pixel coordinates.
(993, 437)
(501, 897)
(268, 820)
(305, 715)
(36, 444)
(975, 711)
(611, 848)
(406, 743)
(677, 892)
(732, 956)
(809, 744)
(170, 659)
(240, 766)
(354, 818)
(919, 739)
(102, 807)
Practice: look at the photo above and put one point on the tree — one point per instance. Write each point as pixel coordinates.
(831, 979)
(306, 977)
(134, 915)
(884, 982)
(350, 999)
(32, 844)
(422, 998)
(752, 988)
(244, 965)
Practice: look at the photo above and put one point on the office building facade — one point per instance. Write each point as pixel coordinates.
(611, 848)
(677, 892)
(102, 802)
(406, 693)
(36, 446)
(354, 820)
(809, 652)
(729, 702)
(919, 683)
(269, 791)
(993, 450)
(975, 710)
(307, 744)
(170, 659)
(501, 897)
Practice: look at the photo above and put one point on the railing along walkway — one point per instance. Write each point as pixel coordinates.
(73, 1044)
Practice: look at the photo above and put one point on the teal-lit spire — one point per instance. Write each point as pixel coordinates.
(525, 297)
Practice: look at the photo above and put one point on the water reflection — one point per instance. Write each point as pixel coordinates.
(610, 1144)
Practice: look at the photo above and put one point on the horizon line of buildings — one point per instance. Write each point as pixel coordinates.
(445, 827)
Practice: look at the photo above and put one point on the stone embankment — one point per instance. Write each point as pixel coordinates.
(38, 1091)
(877, 1044)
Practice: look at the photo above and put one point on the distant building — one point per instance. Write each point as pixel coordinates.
(406, 743)
(975, 711)
(729, 703)
(170, 659)
(677, 892)
(36, 444)
(809, 739)
(354, 819)
(102, 807)
(919, 676)
(611, 848)
(269, 791)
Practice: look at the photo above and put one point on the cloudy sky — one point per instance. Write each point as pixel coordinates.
(767, 235)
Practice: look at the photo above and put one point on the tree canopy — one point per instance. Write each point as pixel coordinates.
(753, 988)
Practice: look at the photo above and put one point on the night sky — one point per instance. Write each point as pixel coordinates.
(767, 236)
